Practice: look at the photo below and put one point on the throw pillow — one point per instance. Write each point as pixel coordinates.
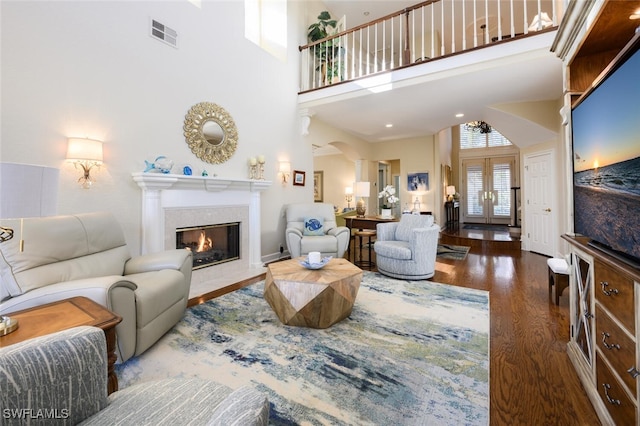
(313, 226)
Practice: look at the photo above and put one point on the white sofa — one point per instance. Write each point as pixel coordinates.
(86, 255)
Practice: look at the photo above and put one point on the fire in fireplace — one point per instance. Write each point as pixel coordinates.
(210, 244)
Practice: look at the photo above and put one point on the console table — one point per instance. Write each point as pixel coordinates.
(64, 314)
(453, 213)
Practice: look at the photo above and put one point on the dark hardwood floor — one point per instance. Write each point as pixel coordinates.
(532, 381)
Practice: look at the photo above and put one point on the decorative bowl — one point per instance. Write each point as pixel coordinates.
(308, 265)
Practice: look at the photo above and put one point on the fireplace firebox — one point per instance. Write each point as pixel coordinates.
(210, 244)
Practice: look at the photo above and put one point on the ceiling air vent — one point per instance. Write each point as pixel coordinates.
(163, 33)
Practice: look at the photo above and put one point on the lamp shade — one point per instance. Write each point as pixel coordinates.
(285, 167)
(84, 149)
(348, 190)
(362, 189)
(451, 190)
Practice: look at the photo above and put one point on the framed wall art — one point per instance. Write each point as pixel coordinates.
(318, 186)
(418, 182)
(298, 177)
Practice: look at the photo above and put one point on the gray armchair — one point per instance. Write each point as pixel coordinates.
(61, 378)
(312, 227)
(407, 249)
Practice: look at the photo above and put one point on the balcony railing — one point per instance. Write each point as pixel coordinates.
(424, 32)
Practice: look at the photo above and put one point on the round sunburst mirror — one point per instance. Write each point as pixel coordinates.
(210, 132)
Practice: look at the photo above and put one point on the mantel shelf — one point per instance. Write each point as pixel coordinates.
(161, 181)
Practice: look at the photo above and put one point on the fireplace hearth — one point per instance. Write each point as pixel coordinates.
(210, 244)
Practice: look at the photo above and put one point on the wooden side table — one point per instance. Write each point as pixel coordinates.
(64, 314)
(453, 213)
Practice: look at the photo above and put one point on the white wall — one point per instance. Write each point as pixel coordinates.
(86, 68)
(338, 172)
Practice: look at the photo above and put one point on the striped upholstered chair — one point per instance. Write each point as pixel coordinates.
(407, 249)
(61, 378)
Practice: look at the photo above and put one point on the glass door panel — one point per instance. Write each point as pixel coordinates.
(487, 190)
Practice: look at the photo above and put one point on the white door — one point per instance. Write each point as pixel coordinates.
(540, 187)
(486, 187)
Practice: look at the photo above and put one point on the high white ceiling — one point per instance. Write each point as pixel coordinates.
(426, 98)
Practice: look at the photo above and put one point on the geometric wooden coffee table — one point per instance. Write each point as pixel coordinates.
(312, 298)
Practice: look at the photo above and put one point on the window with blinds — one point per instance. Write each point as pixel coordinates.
(475, 186)
(470, 139)
(502, 189)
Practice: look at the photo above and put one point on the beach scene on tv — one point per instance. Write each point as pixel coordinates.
(606, 151)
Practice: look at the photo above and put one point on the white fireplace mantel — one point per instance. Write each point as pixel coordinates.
(164, 191)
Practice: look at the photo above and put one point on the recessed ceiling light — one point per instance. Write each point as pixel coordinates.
(459, 115)
(388, 125)
(366, 13)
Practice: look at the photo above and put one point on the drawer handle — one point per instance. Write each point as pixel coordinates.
(606, 292)
(587, 315)
(633, 371)
(612, 401)
(605, 335)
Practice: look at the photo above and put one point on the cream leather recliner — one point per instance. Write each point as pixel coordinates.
(86, 255)
(322, 233)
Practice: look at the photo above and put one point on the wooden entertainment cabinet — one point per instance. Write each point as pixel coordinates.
(605, 331)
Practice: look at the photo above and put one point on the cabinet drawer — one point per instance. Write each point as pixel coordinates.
(619, 406)
(621, 352)
(620, 300)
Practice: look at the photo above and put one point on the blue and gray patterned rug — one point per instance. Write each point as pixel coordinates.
(411, 353)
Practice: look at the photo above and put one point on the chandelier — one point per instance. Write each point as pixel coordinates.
(478, 127)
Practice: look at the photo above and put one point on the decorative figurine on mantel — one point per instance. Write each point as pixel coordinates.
(161, 164)
(256, 167)
(261, 167)
(253, 168)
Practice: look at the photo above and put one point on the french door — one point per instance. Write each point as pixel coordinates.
(486, 189)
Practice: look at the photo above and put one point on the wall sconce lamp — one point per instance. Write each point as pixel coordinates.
(362, 189)
(348, 195)
(85, 153)
(284, 171)
(451, 191)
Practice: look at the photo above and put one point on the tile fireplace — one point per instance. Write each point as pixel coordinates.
(210, 244)
(172, 202)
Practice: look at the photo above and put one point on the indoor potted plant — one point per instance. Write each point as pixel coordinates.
(327, 51)
(388, 194)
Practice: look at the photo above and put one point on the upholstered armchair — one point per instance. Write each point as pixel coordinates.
(407, 249)
(61, 378)
(312, 227)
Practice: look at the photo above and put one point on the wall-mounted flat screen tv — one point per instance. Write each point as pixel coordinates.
(606, 158)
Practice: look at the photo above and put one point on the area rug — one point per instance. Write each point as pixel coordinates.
(449, 251)
(411, 352)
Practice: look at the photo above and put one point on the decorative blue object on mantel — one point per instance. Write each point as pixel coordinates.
(162, 164)
(186, 170)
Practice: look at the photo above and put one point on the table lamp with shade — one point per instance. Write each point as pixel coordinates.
(7, 324)
(348, 195)
(451, 191)
(362, 190)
